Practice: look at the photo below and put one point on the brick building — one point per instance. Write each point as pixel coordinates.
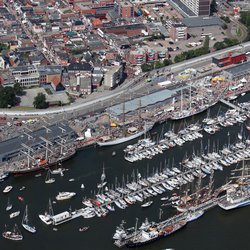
(126, 9)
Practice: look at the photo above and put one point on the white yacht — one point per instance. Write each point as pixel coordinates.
(7, 189)
(65, 195)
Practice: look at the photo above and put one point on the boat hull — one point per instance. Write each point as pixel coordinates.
(25, 171)
(124, 139)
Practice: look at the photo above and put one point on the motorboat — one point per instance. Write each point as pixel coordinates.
(7, 189)
(65, 195)
(14, 214)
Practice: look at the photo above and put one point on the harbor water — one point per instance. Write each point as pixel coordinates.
(217, 229)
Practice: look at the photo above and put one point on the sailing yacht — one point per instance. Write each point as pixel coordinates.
(237, 195)
(9, 205)
(46, 217)
(25, 222)
(103, 182)
(48, 179)
(15, 234)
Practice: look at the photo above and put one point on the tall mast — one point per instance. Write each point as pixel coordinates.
(181, 100)
(123, 116)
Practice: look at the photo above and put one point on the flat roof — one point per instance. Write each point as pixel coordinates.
(229, 54)
(240, 68)
(144, 101)
(193, 22)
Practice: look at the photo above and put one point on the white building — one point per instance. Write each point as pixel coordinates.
(113, 77)
(26, 75)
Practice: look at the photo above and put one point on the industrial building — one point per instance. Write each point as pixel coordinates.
(237, 71)
(229, 59)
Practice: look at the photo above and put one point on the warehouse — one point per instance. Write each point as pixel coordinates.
(237, 71)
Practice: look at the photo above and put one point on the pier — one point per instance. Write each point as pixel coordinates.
(229, 104)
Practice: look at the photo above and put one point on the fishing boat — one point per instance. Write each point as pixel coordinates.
(14, 214)
(7, 189)
(14, 234)
(65, 195)
(26, 223)
(9, 205)
(48, 179)
(47, 216)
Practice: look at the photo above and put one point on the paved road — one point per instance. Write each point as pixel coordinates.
(132, 86)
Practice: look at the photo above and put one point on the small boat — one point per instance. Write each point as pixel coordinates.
(22, 188)
(15, 234)
(164, 198)
(65, 195)
(7, 189)
(38, 175)
(113, 153)
(20, 198)
(83, 229)
(15, 214)
(25, 222)
(47, 216)
(82, 186)
(9, 205)
(48, 179)
(55, 229)
(71, 179)
(147, 204)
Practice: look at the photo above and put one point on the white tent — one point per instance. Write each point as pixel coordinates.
(88, 133)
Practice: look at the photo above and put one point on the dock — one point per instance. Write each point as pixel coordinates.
(229, 104)
(66, 216)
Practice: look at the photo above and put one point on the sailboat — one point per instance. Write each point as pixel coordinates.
(25, 222)
(127, 134)
(9, 205)
(15, 234)
(46, 217)
(48, 179)
(103, 182)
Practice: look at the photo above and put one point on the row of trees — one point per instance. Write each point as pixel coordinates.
(193, 53)
(155, 65)
(8, 97)
(225, 44)
(245, 19)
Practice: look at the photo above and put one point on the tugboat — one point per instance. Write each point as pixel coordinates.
(15, 234)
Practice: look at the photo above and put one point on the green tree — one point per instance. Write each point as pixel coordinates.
(213, 7)
(7, 97)
(18, 89)
(40, 101)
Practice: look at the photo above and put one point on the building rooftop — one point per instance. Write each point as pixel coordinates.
(193, 22)
(230, 54)
(243, 67)
(145, 101)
